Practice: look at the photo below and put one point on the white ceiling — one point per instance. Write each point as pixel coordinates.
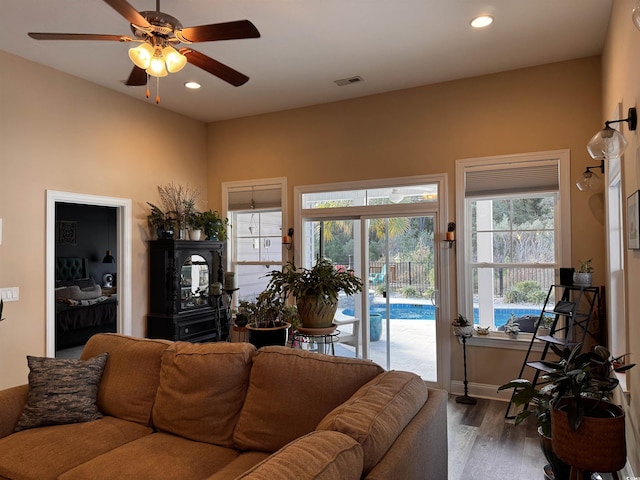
(307, 44)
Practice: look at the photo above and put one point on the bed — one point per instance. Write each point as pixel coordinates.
(81, 308)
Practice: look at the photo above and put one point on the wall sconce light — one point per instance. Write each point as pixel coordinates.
(450, 236)
(287, 240)
(607, 143)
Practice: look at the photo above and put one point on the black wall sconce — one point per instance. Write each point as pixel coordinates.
(450, 236)
(287, 240)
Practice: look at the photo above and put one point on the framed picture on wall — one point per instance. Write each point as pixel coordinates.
(633, 221)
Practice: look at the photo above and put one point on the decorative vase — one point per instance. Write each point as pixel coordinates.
(195, 234)
(265, 336)
(512, 335)
(582, 279)
(315, 312)
(599, 443)
(375, 327)
(164, 233)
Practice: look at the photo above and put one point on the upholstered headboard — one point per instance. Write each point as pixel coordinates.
(70, 268)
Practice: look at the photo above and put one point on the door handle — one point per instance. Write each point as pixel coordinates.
(435, 298)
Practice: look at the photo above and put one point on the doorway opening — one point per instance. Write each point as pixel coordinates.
(95, 246)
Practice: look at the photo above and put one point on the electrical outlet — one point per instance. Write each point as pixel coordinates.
(11, 294)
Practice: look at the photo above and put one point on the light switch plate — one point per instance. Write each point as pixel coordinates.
(11, 294)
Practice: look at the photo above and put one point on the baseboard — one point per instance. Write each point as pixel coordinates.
(480, 390)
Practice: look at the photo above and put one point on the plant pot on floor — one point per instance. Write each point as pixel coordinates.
(375, 327)
(560, 470)
(265, 336)
(598, 445)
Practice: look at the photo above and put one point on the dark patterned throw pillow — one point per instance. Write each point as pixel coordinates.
(62, 391)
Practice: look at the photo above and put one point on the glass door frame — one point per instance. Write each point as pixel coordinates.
(443, 253)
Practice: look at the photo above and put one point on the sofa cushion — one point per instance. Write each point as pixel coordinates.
(202, 389)
(62, 391)
(315, 456)
(290, 391)
(378, 412)
(239, 465)
(127, 392)
(44, 453)
(156, 456)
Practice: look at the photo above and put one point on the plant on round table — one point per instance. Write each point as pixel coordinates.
(462, 326)
(315, 290)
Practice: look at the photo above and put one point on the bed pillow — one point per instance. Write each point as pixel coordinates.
(62, 391)
(80, 282)
(76, 293)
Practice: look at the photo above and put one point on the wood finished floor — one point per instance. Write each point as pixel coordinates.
(482, 445)
(485, 446)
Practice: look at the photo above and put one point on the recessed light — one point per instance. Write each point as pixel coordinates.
(192, 85)
(482, 21)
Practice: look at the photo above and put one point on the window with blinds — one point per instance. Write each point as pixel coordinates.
(509, 211)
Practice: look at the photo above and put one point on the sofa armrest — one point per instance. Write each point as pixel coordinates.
(424, 441)
(319, 455)
(12, 401)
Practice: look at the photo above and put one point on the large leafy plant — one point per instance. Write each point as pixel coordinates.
(322, 281)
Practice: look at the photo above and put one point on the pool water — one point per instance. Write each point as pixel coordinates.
(409, 311)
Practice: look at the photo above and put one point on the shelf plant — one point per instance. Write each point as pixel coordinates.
(512, 327)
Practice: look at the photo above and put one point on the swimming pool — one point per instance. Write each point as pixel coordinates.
(412, 311)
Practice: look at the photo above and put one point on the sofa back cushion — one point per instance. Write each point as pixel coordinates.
(202, 389)
(290, 391)
(378, 412)
(130, 379)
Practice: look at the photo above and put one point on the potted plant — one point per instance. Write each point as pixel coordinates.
(267, 318)
(315, 290)
(586, 430)
(583, 276)
(512, 327)
(212, 224)
(462, 326)
(162, 222)
(544, 328)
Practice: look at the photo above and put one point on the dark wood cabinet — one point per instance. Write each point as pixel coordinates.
(181, 306)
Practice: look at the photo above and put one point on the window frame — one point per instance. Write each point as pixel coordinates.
(463, 219)
(228, 187)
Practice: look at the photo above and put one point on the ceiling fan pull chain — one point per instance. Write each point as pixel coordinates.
(157, 90)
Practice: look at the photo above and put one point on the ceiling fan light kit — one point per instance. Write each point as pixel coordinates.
(158, 34)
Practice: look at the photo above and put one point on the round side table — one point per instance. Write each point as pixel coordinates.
(320, 340)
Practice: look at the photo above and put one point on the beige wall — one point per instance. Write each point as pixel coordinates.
(61, 133)
(423, 131)
(621, 80)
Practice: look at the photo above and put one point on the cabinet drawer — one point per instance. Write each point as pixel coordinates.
(198, 328)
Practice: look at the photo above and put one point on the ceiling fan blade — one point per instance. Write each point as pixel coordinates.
(79, 36)
(137, 78)
(221, 31)
(127, 11)
(214, 67)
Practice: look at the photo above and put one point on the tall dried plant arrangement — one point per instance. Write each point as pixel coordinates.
(180, 200)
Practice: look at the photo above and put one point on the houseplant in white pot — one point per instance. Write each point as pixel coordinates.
(462, 326)
(582, 277)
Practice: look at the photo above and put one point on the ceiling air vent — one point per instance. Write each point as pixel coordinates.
(348, 81)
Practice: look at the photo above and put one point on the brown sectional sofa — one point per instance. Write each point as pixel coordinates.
(226, 411)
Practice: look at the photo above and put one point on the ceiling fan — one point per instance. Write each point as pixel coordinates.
(158, 33)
